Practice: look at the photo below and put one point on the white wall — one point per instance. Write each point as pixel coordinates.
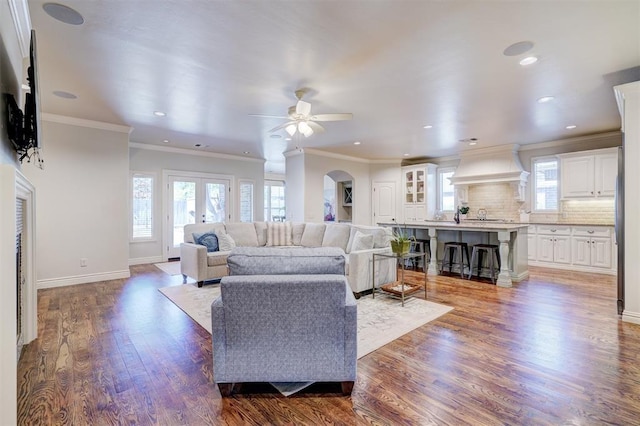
(81, 198)
(631, 100)
(11, 74)
(156, 159)
(295, 189)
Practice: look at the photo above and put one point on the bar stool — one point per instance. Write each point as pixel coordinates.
(478, 253)
(455, 249)
(419, 246)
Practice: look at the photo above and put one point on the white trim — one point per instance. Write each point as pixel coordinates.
(534, 181)
(83, 279)
(570, 267)
(145, 260)
(198, 153)
(80, 122)
(570, 141)
(26, 191)
(326, 154)
(22, 24)
(632, 317)
(253, 198)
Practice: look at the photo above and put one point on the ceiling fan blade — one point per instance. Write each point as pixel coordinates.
(303, 108)
(315, 127)
(267, 116)
(282, 126)
(332, 117)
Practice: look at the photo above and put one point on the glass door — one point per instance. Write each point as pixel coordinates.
(191, 200)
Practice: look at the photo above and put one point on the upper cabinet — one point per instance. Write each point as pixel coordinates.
(589, 174)
(419, 197)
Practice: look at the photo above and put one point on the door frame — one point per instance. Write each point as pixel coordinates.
(167, 175)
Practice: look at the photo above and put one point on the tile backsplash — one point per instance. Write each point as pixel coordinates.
(499, 201)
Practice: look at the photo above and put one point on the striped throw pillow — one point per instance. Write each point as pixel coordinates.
(279, 234)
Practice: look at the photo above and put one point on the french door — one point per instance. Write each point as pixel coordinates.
(194, 199)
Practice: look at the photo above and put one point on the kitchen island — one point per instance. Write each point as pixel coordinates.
(511, 237)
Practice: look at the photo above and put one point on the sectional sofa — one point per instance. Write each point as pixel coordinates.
(358, 242)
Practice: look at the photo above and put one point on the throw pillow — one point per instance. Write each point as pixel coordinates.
(312, 235)
(296, 233)
(362, 241)
(225, 242)
(336, 235)
(279, 234)
(207, 239)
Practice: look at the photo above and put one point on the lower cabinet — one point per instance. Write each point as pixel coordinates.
(579, 248)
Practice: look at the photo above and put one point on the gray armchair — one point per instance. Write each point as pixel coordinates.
(285, 328)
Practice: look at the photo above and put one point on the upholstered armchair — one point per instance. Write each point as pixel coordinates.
(285, 327)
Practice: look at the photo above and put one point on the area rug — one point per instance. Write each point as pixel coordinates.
(170, 268)
(380, 320)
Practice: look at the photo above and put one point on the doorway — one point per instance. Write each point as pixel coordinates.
(193, 198)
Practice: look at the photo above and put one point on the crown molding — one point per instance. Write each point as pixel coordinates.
(80, 122)
(186, 151)
(570, 141)
(22, 24)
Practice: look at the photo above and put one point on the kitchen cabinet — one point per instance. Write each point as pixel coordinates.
(591, 247)
(419, 192)
(578, 248)
(554, 248)
(588, 174)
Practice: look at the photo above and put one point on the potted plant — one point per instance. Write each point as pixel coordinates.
(401, 241)
(463, 211)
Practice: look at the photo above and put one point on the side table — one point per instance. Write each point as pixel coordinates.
(399, 288)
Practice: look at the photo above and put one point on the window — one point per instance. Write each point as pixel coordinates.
(246, 201)
(274, 209)
(446, 193)
(142, 206)
(545, 184)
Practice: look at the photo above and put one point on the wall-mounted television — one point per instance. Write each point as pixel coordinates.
(24, 128)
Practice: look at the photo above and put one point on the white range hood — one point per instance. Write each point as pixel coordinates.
(499, 164)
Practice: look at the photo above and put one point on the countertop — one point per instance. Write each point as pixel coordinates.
(483, 224)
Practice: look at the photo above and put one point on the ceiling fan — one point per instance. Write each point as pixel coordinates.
(301, 120)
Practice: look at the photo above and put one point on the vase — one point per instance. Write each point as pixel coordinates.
(400, 247)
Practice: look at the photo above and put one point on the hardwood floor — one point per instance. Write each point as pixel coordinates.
(550, 350)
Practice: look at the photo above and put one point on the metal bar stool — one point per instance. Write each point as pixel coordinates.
(419, 246)
(478, 253)
(455, 249)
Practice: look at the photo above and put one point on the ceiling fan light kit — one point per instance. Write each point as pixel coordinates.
(301, 120)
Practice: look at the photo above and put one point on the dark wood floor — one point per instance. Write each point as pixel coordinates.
(551, 350)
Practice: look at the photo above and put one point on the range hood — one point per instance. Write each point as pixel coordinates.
(499, 164)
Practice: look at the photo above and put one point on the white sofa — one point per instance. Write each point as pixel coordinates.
(197, 263)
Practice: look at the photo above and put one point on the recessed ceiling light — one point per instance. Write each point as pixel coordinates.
(473, 143)
(428, 126)
(247, 152)
(165, 141)
(287, 139)
(528, 60)
(63, 13)
(518, 48)
(63, 94)
(405, 155)
(159, 113)
(544, 99)
(571, 126)
(357, 143)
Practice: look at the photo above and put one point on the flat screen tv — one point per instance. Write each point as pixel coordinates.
(32, 115)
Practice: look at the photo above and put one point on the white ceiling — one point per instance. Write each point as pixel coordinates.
(396, 65)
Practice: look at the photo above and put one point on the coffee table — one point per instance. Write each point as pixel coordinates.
(399, 288)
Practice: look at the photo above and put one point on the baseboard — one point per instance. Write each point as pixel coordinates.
(145, 260)
(632, 317)
(516, 278)
(82, 279)
(567, 267)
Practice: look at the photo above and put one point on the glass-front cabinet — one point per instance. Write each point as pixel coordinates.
(419, 186)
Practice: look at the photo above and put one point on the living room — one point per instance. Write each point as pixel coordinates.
(83, 209)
